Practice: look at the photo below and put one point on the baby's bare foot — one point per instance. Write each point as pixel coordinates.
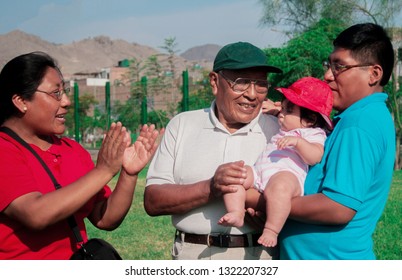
(234, 219)
(268, 238)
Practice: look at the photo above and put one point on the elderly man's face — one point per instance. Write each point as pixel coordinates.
(234, 110)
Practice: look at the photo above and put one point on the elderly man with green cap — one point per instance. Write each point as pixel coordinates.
(199, 151)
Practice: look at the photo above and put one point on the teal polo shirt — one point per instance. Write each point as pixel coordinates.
(356, 171)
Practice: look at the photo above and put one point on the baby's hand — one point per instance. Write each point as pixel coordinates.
(287, 141)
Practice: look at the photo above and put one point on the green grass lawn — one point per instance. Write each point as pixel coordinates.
(388, 234)
(141, 237)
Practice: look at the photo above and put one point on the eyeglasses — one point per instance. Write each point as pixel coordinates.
(337, 68)
(241, 85)
(58, 94)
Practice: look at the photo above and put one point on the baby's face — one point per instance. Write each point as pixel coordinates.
(289, 116)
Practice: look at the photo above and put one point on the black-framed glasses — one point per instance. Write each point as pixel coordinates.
(57, 94)
(241, 85)
(337, 68)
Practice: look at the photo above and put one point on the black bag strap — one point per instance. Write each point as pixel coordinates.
(71, 220)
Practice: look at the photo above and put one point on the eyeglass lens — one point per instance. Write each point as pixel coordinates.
(241, 85)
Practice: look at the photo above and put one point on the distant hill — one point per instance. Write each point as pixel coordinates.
(92, 54)
(204, 52)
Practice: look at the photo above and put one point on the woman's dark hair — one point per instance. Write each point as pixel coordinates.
(309, 116)
(22, 75)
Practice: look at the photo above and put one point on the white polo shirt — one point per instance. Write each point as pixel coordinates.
(195, 143)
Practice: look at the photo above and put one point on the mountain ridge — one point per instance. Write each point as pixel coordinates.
(90, 55)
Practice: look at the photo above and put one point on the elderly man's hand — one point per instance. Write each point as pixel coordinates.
(228, 177)
(270, 107)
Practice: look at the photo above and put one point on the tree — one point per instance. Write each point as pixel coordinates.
(395, 97)
(201, 96)
(157, 84)
(170, 46)
(87, 121)
(159, 118)
(128, 113)
(153, 69)
(299, 15)
(133, 77)
(303, 55)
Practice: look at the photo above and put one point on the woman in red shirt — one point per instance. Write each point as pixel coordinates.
(33, 215)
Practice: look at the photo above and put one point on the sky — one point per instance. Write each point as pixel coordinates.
(146, 22)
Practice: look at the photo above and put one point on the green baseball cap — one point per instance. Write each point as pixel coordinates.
(242, 55)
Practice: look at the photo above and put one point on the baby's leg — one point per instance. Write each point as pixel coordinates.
(235, 205)
(255, 200)
(280, 190)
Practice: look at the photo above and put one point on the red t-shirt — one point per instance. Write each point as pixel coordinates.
(21, 173)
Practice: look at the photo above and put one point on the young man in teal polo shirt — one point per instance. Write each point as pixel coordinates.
(346, 193)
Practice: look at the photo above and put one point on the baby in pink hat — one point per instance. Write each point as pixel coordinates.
(280, 171)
